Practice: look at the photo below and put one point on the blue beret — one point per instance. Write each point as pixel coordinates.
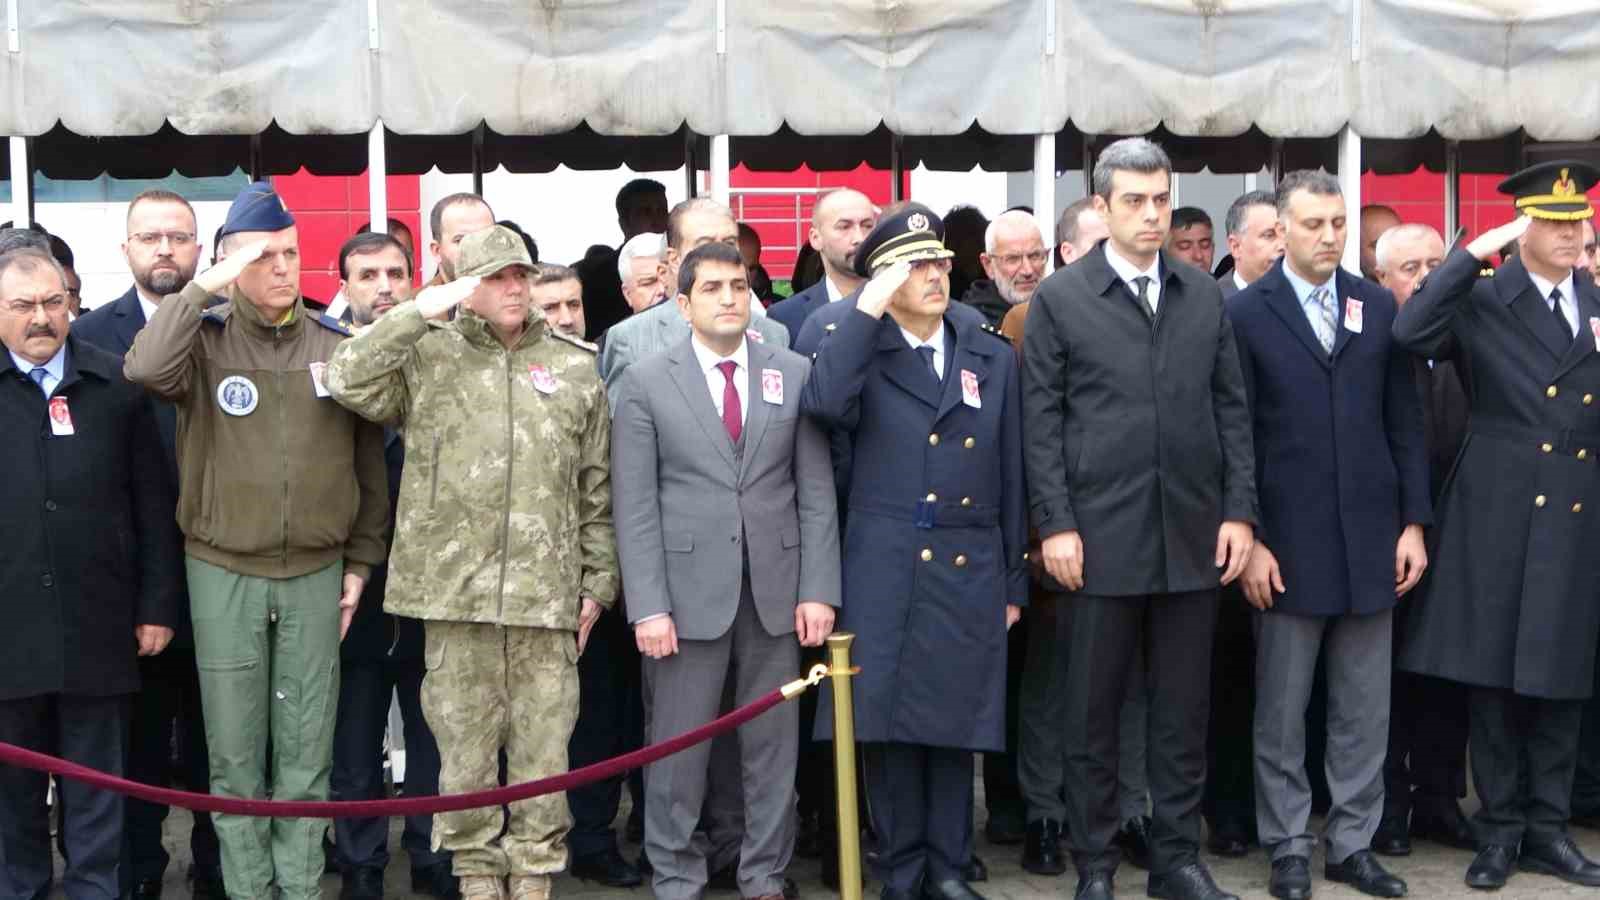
(257, 208)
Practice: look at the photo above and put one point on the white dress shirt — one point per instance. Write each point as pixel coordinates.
(1238, 282)
(1569, 297)
(54, 370)
(1127, 271)
(936, 342)
(148, 307)
(715, 382)
(834, 294)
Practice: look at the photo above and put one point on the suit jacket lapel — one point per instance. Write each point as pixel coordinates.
(1285, 303)
(958, 358)
(129, 318)
(904, 366)
(760, 411)
(1527, 307)
(1343, 290)
(691, 384)
(1588, 311)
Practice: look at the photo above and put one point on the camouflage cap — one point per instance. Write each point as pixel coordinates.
(486, 252)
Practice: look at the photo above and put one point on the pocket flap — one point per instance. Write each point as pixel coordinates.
(790, 538)
(677, 542)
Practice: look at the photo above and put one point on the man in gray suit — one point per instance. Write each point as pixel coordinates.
(691, 224)
(708, 437)
(1255, 239)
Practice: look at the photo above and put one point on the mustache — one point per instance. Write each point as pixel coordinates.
(48, 331)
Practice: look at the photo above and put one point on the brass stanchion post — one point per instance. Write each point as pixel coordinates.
(844, 765)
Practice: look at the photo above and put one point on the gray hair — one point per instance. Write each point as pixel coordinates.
(1233, 222)
(1399, 233)
(1135, 154)
(646, 245)
(30, 259)
(1011, 217)
(1314, 182)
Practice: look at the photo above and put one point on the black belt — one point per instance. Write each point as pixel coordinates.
(1561, 440)
(926, 514)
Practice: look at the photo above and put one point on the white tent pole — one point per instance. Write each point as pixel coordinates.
(377, 180)
(719, 168)
(1452, 190)
(21, 184)
(1350, 183)
(1044, 185)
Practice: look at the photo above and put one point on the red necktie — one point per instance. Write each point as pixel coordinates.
(730, 401)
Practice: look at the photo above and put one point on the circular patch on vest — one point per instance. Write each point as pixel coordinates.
(237, 395)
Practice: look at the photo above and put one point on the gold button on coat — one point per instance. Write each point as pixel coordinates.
(1546, 447)
(927, 554)
(1551, 392)
(1583, 454)
(933, 440)
(966, 501)
(1539, 500)
(969, 443)
(1588, 399)
(961, 560)
(933, 498)
(1577, 507)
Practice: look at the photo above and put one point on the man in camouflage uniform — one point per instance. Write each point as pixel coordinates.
(504, 543)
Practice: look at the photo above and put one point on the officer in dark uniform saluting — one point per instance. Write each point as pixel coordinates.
(1511, 608)
(934, 552)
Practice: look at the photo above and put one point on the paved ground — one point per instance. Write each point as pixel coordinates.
(1431, 871)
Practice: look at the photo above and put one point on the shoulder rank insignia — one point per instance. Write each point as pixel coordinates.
(576, 342)
(332, 324)
(994, 331)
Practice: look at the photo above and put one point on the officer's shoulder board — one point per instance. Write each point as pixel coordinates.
(332, 324)
(990, 329)
(580, 343)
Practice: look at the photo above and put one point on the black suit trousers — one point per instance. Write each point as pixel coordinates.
(610, 723)
(921, 802)
(167, 705)
(1229, 800)
(1427, 738)
(1524, 751)
(1176, 633)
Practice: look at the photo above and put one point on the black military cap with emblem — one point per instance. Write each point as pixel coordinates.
(1553, 190)
(911, 233)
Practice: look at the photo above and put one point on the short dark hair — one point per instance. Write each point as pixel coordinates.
(715, 252)
(1233, 223)
(393, 224)
(527, 239)
(160, 195)
(367, 242)
(436, 217)
(633, 190)
(1068, 226)
(693, 204)
(61, 251)
(1314, 182)
(1190, 216)
(1134, 154)
(551, 273)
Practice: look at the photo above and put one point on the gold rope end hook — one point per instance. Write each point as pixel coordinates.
(797, 687)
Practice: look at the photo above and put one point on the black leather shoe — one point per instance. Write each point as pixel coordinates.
(1041, 851)
(436, 881)
(1224, 843)
(1134, 839)
(949, 889)
(1094, 886)
(1491, 867)
(1393, 837)
(1190, 882)
(607, 868)
(1005, 827)
(205, 883)
(1560, 858)
(1291, 878)
(974, 872)
(148, 887)
(1442, 822)
(362, 884)
(1362, 871)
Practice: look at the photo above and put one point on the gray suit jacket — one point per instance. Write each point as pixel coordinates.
(688, 508)
(657, 328)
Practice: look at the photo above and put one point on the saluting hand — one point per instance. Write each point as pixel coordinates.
(1261, 578)
(1489, 243)
(1063, 558)
(221, 276)
(1234, 540)
(437, 301)
(353, 585)
(1410, 559)
(877, 293)
(813, 622)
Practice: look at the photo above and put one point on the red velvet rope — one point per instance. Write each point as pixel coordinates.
(11, 754)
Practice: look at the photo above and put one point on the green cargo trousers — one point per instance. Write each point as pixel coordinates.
(268, 652)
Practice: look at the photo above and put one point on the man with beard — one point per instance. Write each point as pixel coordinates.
(839, 222)
(163, 251)
(453, 218)
(1014, 258)
(381, 656)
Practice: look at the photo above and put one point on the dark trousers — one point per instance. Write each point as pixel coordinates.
(365, 687)
(166, 707)
(610, 723)
(1586, 781)
(921, 802)
(1229, 799)
(1514, 737)
(1002, 791)
(1427, 742)
(1175, 631)
(92, 731)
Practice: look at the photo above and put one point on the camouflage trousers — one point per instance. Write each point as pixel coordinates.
(490, 687)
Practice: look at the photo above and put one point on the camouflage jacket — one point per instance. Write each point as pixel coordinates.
(505, 503)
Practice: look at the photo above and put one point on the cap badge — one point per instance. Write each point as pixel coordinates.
(917, 222)
(1564, 186)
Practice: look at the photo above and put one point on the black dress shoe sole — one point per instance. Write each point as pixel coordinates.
(1483, 884)
(1392, 849)
(1161, 893)
(1540, 867)
(1351, 883)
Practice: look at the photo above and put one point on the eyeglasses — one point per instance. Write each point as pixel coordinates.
(154, 238)
(20, 308)
(1012, 260)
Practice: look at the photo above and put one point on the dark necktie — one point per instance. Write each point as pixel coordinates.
(37, 374)
(1555, 309)
(926, 353)
(730, 401)
(1143, 284)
